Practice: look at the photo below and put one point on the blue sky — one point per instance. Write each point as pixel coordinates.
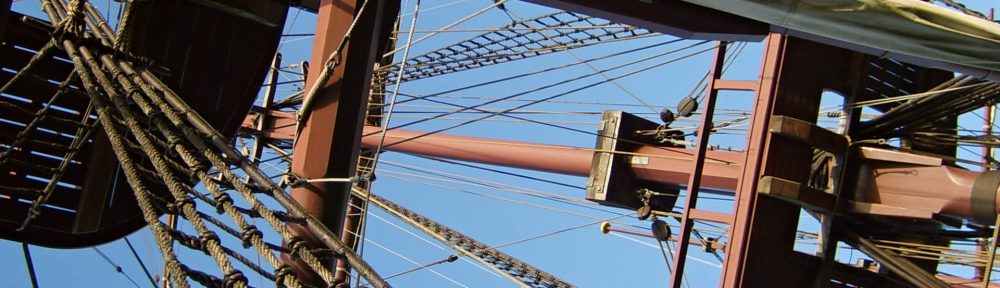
(584, 256)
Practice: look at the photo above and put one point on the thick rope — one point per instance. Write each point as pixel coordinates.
(201, 171)
(215, 139)
(119, 88)
(195, 165)
(82, 64)
(184, 203)
(127, 164)
(251, 236)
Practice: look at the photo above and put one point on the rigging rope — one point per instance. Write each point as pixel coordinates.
(449, 259)
(492, 114)
(496, 3)
(508, 43)
(435, 245)
(31, 265)
(408, 259)
(520, 21)
(117, 268)
(114, 87)
(332, 62)
(514, 269)
(139, 260)
(360, 239)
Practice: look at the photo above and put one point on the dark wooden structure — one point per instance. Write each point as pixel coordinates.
(215, 53)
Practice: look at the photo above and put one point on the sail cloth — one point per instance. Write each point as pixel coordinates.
(910, 30)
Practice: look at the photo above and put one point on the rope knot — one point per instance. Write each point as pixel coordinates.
(153, 115)
(294, 180)
(221, 200)
(233, 279)
(295, 246)
(282, 272)
(74, 23)
(205, 238)
(326, 254)
(199, 166)
(367, 177)
(170, 208)
(285, 217)
(248, 234)
(183, 201)
(335, 60)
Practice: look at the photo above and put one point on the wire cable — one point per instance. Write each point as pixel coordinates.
(518, 20)
(31, 265)
(446, 27)
(408, 259)
(449, 259)
(115, 265)
(543, 87)
(564, 230)
(388, 117)
(699, 260)
(408, 232)
(141, 263)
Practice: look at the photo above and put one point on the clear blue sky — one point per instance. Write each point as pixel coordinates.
(584, 257)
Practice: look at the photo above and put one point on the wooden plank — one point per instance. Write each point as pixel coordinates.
(808, 133)
(736, 85)
(251, 60)
(705, 215)
(62, 197)
(886, 210)
(53, 121)
(6, 137)
(269, 13)
(40, 166)
(8, 131)
(30, 36)
(13, 213)
(899, 68)
(48, 68)
(74, 170)
(190, 45)
(796, 193)
(98, 187)
(40, 91)
(904, 84)
(4, 14)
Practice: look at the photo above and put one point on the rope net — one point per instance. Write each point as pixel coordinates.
(179, 166)
(560, 31)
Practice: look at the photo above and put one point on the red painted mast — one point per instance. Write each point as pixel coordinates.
(900, 189)
(892, 183)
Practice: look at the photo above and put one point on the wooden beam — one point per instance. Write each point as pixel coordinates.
(328, 144)
(808, 133)
(267, 12)
(4, 12)
(796, 193)
(98, 187)
(763, 233)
